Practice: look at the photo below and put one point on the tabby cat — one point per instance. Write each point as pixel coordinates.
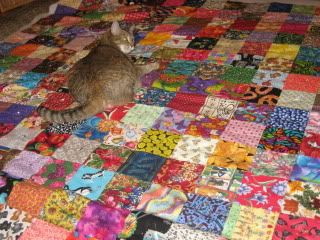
(104, 78)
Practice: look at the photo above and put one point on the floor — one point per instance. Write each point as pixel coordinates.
(15, 19)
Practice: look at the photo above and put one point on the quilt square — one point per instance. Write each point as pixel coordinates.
(228, 46)
(42, 52)
(218, 107)
(269, 163)
(24, 50)
(288, 118)
(15, 113)
(313, 125)
(150, 113)
(294, 28)
(47, 66)
(290, 51)
(305, 67)
(46, 143)
(302, 200)
(89, 182)
(304, 83)
(169, 208)
(247, 133)
(276, 64)
(221, 58)
(296, 99)
(95, 128)
(143, 166)
(13, 221)
(203, 43)
(30, 80)
(123, 135)
(8, 61)
(234, 34)
(108, 157)
(247, 61)
(158, 142)
(232, 155)
(257, 36)
(27, 64)
(100, 222)
(239, 75)
(156, 97)
(306, 169)
(29, 197)
(219, 182)
(280, 7)
(7, 155)
(75, 149)
(190, 54)
(7, 185)
(198, 86)
(55, 173)
(64, 209)
(281, 140)
(173, 121)
(309, 54)
(206, 127)
(194, 149)
(40, 229)
(25, 164)
(262, 191)
(123, 192)
(255, 48)
(249, 223)
(294, 227)
(251, 112)
(154, 38)
(262, 95)
(179, 175)
(270, 78)
(288, 38)
(203, 213)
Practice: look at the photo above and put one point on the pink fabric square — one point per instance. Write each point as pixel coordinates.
(27, 64)
(187, 102)
(136, 16)
(247, 133)
(166, 28)
(206, 13)
(171, 3)
(194, 55)
(79, 43)
(40, 230)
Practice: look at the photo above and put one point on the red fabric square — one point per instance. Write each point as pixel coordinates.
(212, 32)
(24, 50)
(58, 101)
(245, 25)
(206, 13)
(262, 191)
(310, 145)
(119, 112)
(194, 55)
(173, 3)
(136, 16)
(179, 175)
(187, 102)
(255, 48)
(303, 83)
(294, 28)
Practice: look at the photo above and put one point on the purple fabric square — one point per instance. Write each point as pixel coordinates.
(65, 11)
(197, 85)
(15, 113)
(261, 37)
(187, 30)
(149, 78)
(27, 64)
(25, 164)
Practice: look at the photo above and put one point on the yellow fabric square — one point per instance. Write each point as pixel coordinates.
(71, 3)
(157, 39)
(286, 51)
(43, 52)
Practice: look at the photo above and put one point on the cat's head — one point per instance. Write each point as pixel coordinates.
(123, 39)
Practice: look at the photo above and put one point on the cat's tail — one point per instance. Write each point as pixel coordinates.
(70, 115)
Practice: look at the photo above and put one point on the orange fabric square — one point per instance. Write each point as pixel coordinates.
(303, 83)
(24, 50)
(28, 197)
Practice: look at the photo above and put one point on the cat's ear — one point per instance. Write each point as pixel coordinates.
(115, 28)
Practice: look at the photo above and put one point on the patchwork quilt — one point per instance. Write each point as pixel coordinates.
(221, 142)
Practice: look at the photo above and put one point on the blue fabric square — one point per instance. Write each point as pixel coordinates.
(204, 213)
(288, 118)
(280, 7)
(181, 67)
(89, 182)
(6, 47)
(309, 54)
(30, 80)
(143, 166)
(89, 129)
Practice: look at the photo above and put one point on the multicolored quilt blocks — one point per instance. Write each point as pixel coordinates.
(223, 133)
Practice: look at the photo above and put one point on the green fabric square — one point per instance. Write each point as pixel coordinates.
(9, 60)
(175, 20)
(304, 67)
(142, 115)
(288, 38)
(239, 75)
(302, 9)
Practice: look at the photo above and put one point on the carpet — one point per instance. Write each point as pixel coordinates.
(221, 142)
